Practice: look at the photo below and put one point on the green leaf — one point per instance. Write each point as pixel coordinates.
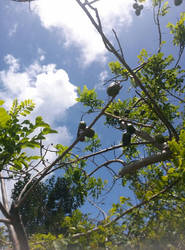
(4, 117)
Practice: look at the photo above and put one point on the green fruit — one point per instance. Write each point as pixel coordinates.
(126, 138)
(135, 5)
(178, 2)
(138, 12)
(113, 89)
(130, 129)
(89, 132)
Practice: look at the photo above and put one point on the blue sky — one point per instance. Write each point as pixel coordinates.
(50, 50)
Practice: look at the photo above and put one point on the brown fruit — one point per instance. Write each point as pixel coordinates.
(113, 89)
(130, 129)
(135, 5)
(81, 129)
(126, 138)
(89, 132)
(138, 12)
(178, 2)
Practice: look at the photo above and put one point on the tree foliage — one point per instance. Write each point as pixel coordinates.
(149, 118)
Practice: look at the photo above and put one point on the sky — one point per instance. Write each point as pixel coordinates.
(51, 48)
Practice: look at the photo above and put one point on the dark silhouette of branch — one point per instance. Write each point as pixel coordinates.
(181, 50)
(129, 121)
(157, 22)
(107, 163)
(178, 98)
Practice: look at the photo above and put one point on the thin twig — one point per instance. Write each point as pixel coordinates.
(25, 191)
(138, 82)
(126, 212)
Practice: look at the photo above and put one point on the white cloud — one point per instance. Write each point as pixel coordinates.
(75, 27)
(48, 87)
(103, 76)
(12, 30)
(41, 54)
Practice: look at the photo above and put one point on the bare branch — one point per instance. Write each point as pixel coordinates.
(111, 48)
(5, 221)
(107, 163)
(3, 193)
(157, 22)
(181, 50)
(136, 165)
(99, 208)
(117, 39)
(126, 212)
(178, 98)
(4, 211)
(129, 121)
(25, 192)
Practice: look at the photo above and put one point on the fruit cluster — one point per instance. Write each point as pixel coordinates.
(138, 8)
(126, 137)
(177, 2)
(84, 131)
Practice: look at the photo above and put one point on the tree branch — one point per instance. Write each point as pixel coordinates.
(126, 212)
(111, 48)
(136, 165)
(25, 192)
(107, 163)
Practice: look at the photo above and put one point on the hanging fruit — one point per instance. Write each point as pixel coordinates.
(113, 89)
(159, 139)
(126, 139)
(177, 2)
(130, 129)
(81, 130)
(89, 132)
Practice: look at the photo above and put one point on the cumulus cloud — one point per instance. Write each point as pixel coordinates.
(49, 87)
(75, 27)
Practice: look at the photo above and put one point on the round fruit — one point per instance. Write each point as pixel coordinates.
(138, 12)
(178, 2)
(141, 7)
(82, 138)
(126, 138)
(135, 5)
(89, 132)
(130, 129)
(113, 89)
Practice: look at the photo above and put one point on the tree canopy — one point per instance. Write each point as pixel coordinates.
(149, 161)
